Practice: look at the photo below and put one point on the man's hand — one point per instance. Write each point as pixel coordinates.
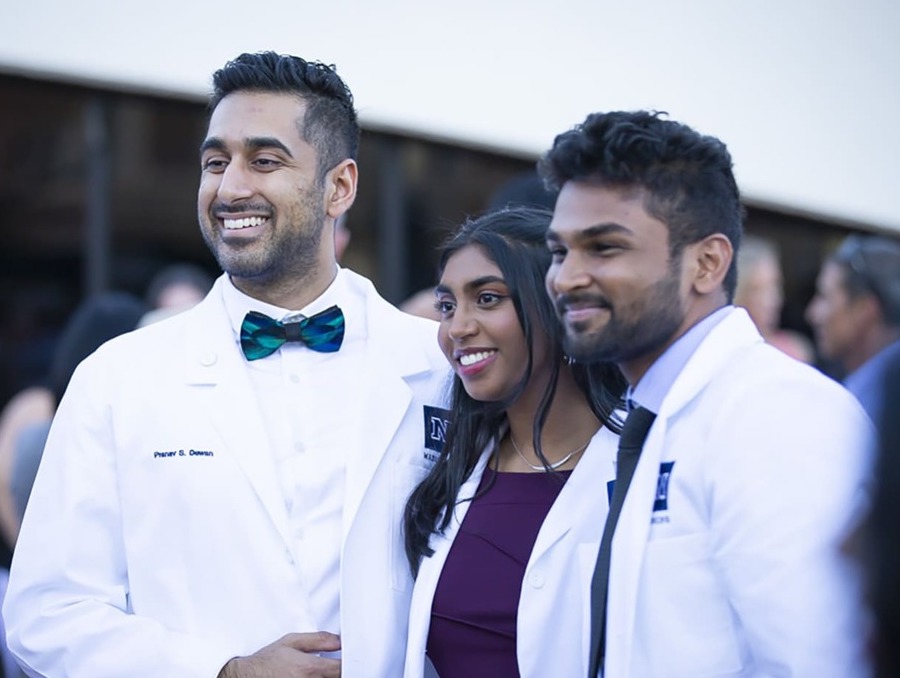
(292, 656)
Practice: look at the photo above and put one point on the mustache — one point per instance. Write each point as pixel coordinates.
(581, 299)
(225, 208)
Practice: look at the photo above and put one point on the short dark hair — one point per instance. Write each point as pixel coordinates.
(330, 123)
(872, 266)
(515, 240)
(688, 176)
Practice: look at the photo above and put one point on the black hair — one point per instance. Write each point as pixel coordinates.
(871, 265)
(329, 125)
(97, 319)
(687, 176)
(514, 239)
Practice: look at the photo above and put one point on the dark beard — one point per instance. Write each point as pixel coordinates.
(647, 327)
(288, 257)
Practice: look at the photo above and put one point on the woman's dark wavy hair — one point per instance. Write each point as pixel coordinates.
(515, 240)
(330, 125)
(688, 176)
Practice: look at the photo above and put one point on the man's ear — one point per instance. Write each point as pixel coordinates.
(340, 188)
(712, 259)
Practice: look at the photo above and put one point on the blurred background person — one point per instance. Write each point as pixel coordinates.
(878, 539)
(525, 189)
(855, 313)
(498, 531)
(96, 320)
(341, 238)
(175, 288)
(760, 290)
(25, 421)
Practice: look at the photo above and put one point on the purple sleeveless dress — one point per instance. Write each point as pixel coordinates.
(473, 615)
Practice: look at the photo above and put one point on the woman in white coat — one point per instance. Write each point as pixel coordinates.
(503, 533)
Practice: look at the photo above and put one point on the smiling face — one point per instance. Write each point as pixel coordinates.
(261, 205)
(619, 296)
(480, 333)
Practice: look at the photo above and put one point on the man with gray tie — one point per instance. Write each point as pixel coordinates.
(719, 556)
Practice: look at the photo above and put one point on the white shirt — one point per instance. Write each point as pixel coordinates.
(302, 394)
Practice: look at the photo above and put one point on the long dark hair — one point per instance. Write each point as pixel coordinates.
(514, 239)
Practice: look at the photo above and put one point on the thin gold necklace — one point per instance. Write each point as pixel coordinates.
(555, 465)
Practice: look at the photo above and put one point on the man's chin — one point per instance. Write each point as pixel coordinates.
(589, 348)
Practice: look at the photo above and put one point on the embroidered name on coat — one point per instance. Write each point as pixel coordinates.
(164, 454)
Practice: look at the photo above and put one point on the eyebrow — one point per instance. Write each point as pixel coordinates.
(596, 231)
(253, 143)
(472, 284)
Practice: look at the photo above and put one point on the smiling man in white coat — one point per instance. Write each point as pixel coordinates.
(724, 560)
(221, 492)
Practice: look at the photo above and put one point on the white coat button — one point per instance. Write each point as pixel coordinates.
(295, 378)
(208, 358)
(536, 580)
(299, 448)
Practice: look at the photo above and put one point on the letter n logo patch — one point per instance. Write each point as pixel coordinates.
(661, 502)
(436, 420)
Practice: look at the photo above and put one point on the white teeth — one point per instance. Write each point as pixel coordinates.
(472, 358)
(246, 222)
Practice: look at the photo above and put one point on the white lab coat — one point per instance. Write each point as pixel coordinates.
(134, 564)
(553, 621)
(731, 568)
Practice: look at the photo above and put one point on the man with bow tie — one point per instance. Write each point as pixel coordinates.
(221, 492)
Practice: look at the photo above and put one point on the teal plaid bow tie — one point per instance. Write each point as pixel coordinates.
(262, 335)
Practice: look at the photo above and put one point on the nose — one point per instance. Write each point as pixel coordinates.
(235, 183)
(566, 275)
(462, 325)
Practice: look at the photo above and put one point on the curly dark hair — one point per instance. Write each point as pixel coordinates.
(687, 176)
(330, 125)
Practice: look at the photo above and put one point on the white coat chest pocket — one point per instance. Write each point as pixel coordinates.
(683, 615)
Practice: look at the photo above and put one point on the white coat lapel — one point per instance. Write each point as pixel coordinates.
(376, 410)
(215, 367)
(381, 397)
(589, 477)
(430, 571)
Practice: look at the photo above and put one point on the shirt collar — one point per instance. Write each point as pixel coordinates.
(656, 382)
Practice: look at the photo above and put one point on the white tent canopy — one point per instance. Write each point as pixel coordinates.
(805, 92)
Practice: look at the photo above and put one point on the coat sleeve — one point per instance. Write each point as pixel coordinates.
(67, 608)
(786, 468)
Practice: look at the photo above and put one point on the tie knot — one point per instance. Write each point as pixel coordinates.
(261, 335)
(637, 426)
